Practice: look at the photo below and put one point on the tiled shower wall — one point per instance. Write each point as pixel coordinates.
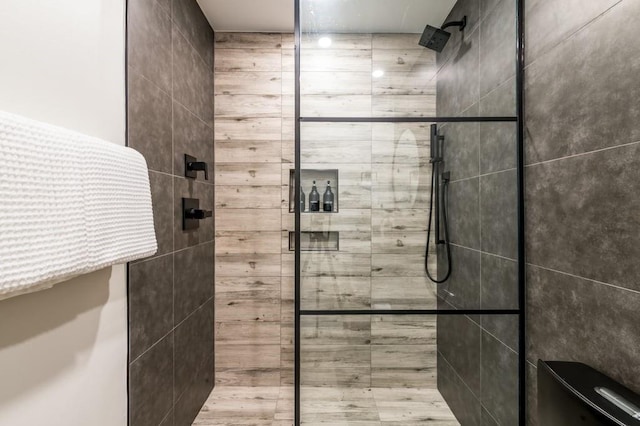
(582, 186)
(170, 113)
(477, 359)
(382, 218)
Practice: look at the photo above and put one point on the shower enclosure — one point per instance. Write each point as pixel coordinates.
(376, 341)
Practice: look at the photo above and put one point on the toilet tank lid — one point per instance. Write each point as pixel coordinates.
(582, 381)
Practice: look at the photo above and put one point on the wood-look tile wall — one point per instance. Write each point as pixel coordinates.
(383, 194)
(250, 122)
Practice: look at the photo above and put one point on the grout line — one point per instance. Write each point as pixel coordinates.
(583, 278)
(483, 252)
(595, 151)
(483, 175)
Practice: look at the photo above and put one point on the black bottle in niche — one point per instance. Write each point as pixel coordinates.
(314, 199)
(302, 200)
(327, 198)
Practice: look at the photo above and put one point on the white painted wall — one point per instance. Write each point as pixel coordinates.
(63, 351)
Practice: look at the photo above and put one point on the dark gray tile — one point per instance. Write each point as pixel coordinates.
(150, 303)
(151, 384)
(498, 141)
(532, 395)
(149, 41)
(149, 125)
(464, 405)
(464, 213)
(194, 347)
(168, 421)
(192, 23)
(486, 419)
(459, 344)
(582, 215)
(163, 210)
(499, 283)
(461, 149)
(192, 79)
(462, 289)
(583, 95)
(497, 46)
(551, 22)
(572, 319)
(193, 281)
(192, 400)
(498, 204)
(470, 9)
(189, 188)
(458, 86)
(191, 136)
(504, 327)
(499, 380)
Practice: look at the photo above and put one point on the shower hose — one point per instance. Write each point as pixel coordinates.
(445, 202)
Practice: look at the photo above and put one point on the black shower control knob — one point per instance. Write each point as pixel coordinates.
(197, 214)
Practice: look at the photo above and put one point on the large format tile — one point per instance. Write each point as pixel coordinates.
(193, 347)
(191, 136)
(499, 380)
(188, 188)
(592, 96)
(193, 282)
(464, 213)
(162, 203)
(462, 289)
(498, 141)
(192, 79)
(498, 46)
(149, 41)
(458, 396)
(574, 319)
(150, 303)
(188, 405)
(461, 149)
(149, 123)
(498, 214)
(227, 60)
(192, 23)
(151, 384)
(459, 342)
(582, 215)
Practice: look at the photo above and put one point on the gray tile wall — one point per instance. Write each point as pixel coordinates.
(170, 113)
(582, 186)
(477, 358)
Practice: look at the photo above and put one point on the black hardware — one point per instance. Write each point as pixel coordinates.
(192, 166)
(192, 214)
(460, 24)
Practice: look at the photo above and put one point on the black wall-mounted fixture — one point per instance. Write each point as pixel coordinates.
(192, 166)
(436, 38)
(192, 214)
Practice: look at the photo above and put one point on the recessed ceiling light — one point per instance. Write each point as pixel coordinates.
(378, 73)
(324, 42)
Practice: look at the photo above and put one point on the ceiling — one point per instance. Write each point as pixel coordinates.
(346, 16)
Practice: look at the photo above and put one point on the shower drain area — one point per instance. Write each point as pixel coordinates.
(326, 406)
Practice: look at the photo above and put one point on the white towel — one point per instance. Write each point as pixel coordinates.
(69, 204)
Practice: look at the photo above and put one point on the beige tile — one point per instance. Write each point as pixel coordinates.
(288, 60)
(401, 175)
(225, 40)
(248, 265)
(229, 308)
(399, 242)
(239, 151)
(336, 106)
(392, 330)
(250, 356)
(335, 293)
(334, 331)
(351, 377)
(333, 152)
(336, 60)
(288, 83)
(247, 333)
(336, 132)
(248, 219)
(406, 150)
(240, 106)
(227, 60)
(288, 41)
(397, 265)
(248, 83)
(403, 293)
(248, 129)
(396, 41)
(252, 197)
(405, 83)
(335, 264)
(335, 83)
(247, 377)
(399, 220)
(404, 105)
(389, 132)
(230, 242)
(248, 287)
(400, 196)
(414, 60)
(338, 41)
(248, 174)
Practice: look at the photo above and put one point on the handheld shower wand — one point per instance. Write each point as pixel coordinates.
(440, 203)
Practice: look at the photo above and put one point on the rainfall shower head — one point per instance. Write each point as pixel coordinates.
(436, 38)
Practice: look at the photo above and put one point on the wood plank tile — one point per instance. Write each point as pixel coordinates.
(248, 287)
(248, 83)
(405, 83)
(335, 330)
(247, 377)
(348, 60)
(248, 333)
(335, 83)
(404, 60)
(254, 174)
(253, 197)
(338, 132)
(397, 265)
(400, 242)
(248, 265)
(336, 293)
(248, 220)
(333, 152)
(392, 330)
(338, 41)
(256, 151)
(403, 293)
(241, 106)
(225, 40)
(229, 309)
(248, 129)
(341, 106)
(404, 105)
(397, 220)
(227, 60)
(400, 197)
(230, 242)
(335, 264)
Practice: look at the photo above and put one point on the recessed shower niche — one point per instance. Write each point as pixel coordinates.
(325, 182)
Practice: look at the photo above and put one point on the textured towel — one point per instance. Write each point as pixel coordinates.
(69, 204)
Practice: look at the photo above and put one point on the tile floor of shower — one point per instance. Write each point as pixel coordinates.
(235, 406)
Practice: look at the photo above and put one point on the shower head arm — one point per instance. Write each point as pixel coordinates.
(460, 24)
